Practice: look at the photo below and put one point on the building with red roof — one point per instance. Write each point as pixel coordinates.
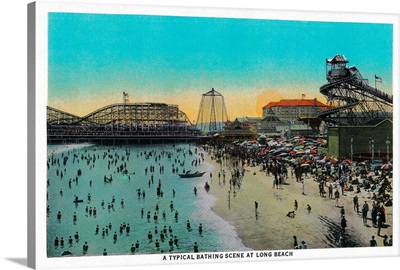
(294, 109)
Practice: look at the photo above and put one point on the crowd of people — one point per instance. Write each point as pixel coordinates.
(111, 210)
(303, 160)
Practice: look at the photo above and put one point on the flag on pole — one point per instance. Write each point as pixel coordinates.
(378, 79)
(303, 96)
(125, 97)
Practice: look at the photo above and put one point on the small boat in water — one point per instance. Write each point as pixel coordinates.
(191, 175)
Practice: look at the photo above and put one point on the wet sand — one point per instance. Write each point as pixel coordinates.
(270, 228)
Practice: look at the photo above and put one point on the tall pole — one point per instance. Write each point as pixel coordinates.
(351, 150)
(369, 145)
(387, 149)
(372, 149)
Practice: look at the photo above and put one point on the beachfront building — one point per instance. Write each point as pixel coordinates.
(294, 109)
(369, 142)
(267, 125)
(250, 120)
(239, 129)
(291, 116)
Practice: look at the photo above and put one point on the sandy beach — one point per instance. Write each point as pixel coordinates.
(270, 228)
(237, 225)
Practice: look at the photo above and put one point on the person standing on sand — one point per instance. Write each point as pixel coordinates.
(365, 210)
(330, 191)
(381, 209)
(355, 202)
(343, 223)
(295, 244)
(337, 195)
(308, 208)
(379, 223)
(374, 213)
(373, 242)
(295, 205)
(302, 187)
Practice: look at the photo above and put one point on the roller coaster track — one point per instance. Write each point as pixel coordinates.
(57, 117)
(120, 113)
(353, 101)
(121, 120)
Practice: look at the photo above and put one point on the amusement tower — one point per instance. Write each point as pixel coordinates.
(352, 101)
(212, 113)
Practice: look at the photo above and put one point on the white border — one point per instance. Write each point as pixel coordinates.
(42, 8)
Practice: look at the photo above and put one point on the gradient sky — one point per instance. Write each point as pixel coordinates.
(93, 58)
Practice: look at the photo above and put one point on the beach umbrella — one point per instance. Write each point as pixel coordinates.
(387, 166)
(299, 147)
(272, 143)
(304, 165)
(334, 160)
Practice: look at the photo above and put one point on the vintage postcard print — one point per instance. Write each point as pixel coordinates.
(179, 135)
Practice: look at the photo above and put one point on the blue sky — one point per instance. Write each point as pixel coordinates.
(93, 58)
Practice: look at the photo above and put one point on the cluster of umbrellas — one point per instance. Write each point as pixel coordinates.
(297, 150)
(302, 151)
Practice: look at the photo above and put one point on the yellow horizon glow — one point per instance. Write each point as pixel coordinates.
(238, 104)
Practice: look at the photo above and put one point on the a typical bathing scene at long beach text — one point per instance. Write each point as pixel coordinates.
(309, 171)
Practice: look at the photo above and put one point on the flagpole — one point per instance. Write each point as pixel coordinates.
(375, 81)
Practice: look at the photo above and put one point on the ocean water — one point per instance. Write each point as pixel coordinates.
(81, 172)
